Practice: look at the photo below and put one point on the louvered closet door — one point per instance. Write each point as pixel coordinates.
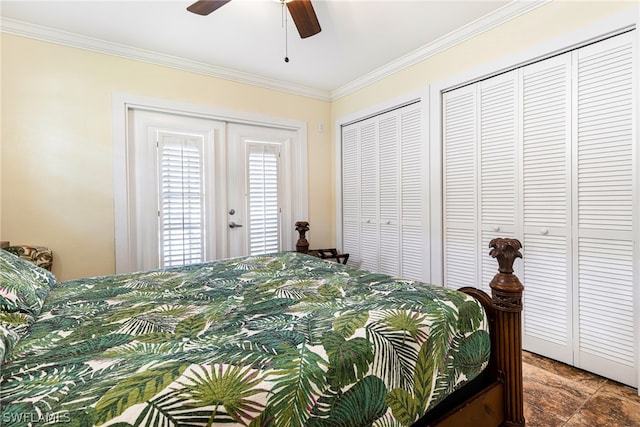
(481, 136)
(461, 243)
(498, 133)
(351, 191)
(412, 193)
(383, 193)
(389, 193)
(603, 150)
(546, 134)
(369, 241)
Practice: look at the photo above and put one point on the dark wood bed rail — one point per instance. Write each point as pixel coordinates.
(495, 398)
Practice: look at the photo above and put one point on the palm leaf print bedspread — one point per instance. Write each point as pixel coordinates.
(275, 340)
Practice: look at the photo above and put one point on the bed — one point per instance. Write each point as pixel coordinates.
(283, 339)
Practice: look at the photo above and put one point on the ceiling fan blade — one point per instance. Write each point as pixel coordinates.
(205, 7)
(304, 17)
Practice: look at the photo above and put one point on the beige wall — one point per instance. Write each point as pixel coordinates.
(57, 144)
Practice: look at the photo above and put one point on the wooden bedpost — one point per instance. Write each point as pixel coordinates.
(506, 292)
(302, 245)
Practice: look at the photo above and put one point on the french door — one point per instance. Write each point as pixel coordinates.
(258, 213)
(202, 189)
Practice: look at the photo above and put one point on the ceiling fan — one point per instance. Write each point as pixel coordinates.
(301, 12)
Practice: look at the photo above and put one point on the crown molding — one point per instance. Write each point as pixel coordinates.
(485, 23)
(500, 16)
(51, 35)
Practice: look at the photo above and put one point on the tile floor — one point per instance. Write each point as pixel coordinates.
(557, 395)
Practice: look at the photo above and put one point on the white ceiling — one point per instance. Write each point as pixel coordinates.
(245, 39)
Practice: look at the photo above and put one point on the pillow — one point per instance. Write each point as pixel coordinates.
(23, 285)
(13, 326)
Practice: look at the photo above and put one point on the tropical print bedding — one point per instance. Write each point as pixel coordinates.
(275, 340)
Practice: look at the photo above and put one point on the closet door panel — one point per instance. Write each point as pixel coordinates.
(414, 256)
(388, 158)
(413, 193)
(369, 170)
(389, 249)
(546, 137)
(369, 245)
(498, 139)
(389, 192)
(369, 242)
(461, 245)
(546, 207)
(461, 258)
(604, 147)
(606, 340)
(547, 325)
(498, 133)
(351, 191)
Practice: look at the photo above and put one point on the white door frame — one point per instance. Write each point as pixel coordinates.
(124, 221)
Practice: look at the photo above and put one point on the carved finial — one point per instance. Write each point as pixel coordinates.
(506, 289)
(302, 245)
(506, 251)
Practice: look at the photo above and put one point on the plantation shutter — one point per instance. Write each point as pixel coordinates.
(263, 195)
(181, 199)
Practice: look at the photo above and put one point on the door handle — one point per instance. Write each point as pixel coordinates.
(234, 225)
